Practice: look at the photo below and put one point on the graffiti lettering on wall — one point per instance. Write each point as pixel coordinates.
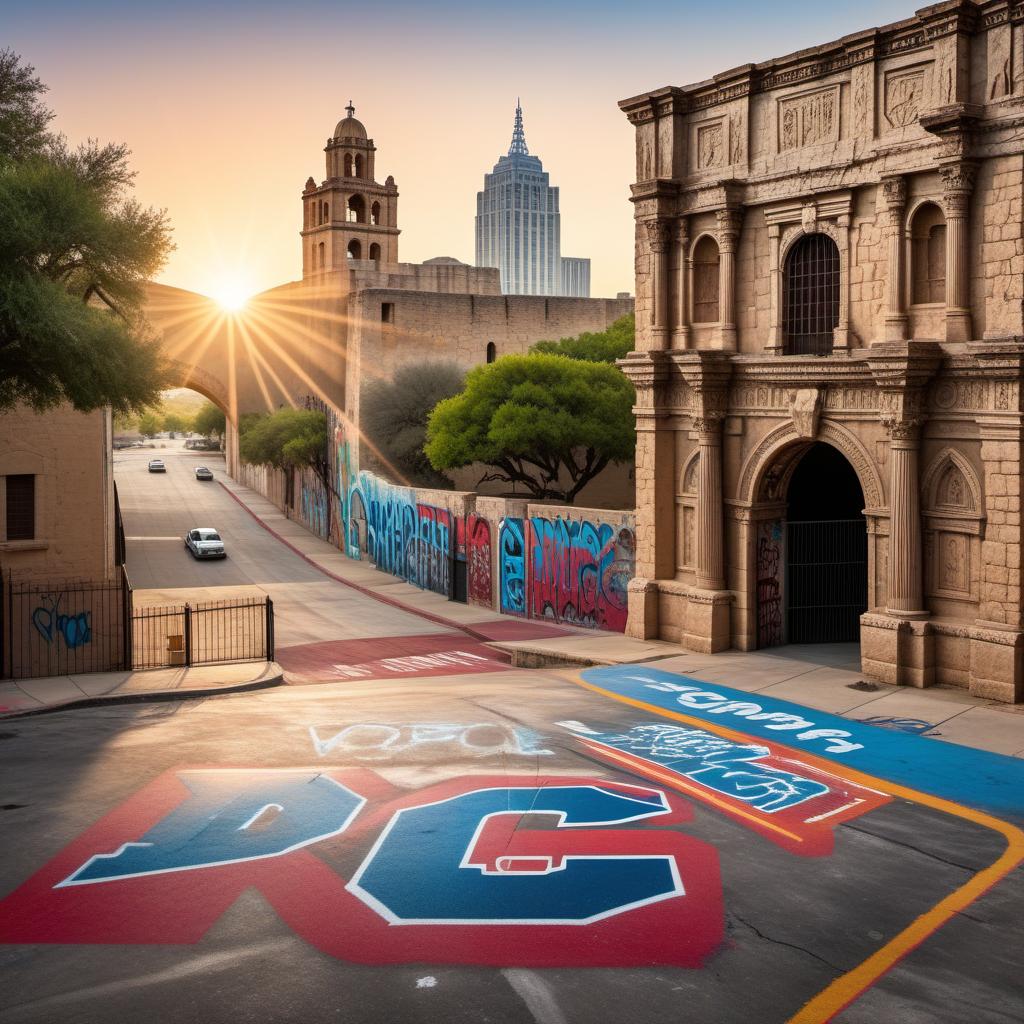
(581, 571)
(512, 555)
(50, 623)
(314, 505)
(769, 584)
(435, 549)
(373, 742)
(797, 809)
(478, 558)
(594, 885)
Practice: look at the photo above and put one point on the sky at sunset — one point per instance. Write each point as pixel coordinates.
(227, 106)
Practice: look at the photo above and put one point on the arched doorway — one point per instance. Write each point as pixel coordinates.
(826, 549)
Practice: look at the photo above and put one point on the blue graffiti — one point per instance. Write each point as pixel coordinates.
(314, 507)
(464, 864)
(914, 725)
(726, 767)
(512, 562)
(75, 630)
(230, 817)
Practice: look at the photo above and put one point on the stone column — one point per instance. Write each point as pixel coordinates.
(681, 334)
(775, 290)
(894, 191)
(710, 558)
(957, 185)
(658, 235)
(905, 581)
(729, 221)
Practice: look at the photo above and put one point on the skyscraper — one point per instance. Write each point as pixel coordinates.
(518, 225)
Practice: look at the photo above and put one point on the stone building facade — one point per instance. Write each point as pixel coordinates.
(829, 267)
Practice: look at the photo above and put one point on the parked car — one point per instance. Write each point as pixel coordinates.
(157, 466)
(202, 473)
(205, 543)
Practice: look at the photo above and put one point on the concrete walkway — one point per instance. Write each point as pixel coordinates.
(33, 696)
(823, 676)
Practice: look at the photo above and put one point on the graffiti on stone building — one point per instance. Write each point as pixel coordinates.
(769, 584)
(581, 571)
(512, 554)
(478, 557)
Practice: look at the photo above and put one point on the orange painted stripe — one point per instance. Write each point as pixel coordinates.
(847, 987)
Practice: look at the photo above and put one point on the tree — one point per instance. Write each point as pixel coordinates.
(289, 439)
(394, 418)
(175, 424)
(209, 421)
(149, 424)
(75, 253)
(537, 419)
(595, 347)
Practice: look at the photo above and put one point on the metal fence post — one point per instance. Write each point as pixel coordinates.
(188, 634)
(270, 629)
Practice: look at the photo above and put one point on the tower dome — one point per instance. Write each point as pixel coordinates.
(349, 127)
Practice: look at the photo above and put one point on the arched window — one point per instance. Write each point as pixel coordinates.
(359, 165)
(928, 255)
(356, 209)
(327, 213)
(321, 255)
(375, 253)
(348, 165)
(705, 281)
(811, 305)
(375, 213)
(492, 352)
(355, 250)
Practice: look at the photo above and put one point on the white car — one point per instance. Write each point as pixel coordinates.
(157, 466)
(205, 543)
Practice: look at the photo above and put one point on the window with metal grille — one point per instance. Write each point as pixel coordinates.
(811, 308)
(21, 507)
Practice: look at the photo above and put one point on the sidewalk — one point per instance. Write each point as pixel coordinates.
(825, 676)
(34, 696)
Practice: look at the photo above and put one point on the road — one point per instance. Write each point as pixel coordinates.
(321, 622)
(501, 845)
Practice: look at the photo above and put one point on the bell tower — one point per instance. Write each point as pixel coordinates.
(349, 220)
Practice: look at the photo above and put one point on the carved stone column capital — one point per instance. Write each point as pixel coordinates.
(729, 220)
(659, 233)
(894, 190)
(958, 178)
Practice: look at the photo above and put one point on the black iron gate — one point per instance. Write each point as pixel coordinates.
(826, 580)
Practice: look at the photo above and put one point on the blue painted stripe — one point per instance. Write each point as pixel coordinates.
(976, 778)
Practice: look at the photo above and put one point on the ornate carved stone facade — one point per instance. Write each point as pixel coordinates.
(830, 252)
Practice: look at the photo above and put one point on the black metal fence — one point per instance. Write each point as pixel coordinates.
(56, 629)
(207, 633)
(72, 627)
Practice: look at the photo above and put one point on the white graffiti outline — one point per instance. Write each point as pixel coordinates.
(518, 741)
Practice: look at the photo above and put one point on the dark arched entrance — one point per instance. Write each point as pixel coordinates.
(826, 584)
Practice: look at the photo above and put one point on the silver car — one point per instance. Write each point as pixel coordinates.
(205, 543)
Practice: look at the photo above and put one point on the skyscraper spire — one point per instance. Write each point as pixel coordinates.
(518, 135)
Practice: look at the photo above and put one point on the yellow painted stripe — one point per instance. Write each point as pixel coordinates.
(846, 988)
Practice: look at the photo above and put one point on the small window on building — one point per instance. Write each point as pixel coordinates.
(375, 213)
(348, 165)
(375, 253)
(322, 257)
(928, 255)
(21, 507)
(356, 211)
(387, 312)
(355, 250)
(492, 352)
(359, 165)
(705, 281)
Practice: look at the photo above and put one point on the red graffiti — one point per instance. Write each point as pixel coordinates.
(478, 551)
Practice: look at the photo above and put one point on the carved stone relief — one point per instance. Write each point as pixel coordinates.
(805, 411)
(1000, 63)
(904, 97)
(809, 119)
(710, 146)
(956, 395)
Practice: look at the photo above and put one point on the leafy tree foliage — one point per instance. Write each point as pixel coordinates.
(537, 419)
(209, 421)
(394, 417)
(149, 424)
(174, 423)
(595, 347)
(75, 253)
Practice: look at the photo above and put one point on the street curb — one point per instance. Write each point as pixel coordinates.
(152, 697)
(532, 657)
(394, 602)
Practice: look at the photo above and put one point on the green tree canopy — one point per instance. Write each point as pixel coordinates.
(537, 420)
(174, 423)
(75, 253)
(209, 421)
(394, 418)
(149, 424)
(595, 347)
(287, 439)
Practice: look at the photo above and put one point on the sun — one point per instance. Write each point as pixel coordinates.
(232, 296)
